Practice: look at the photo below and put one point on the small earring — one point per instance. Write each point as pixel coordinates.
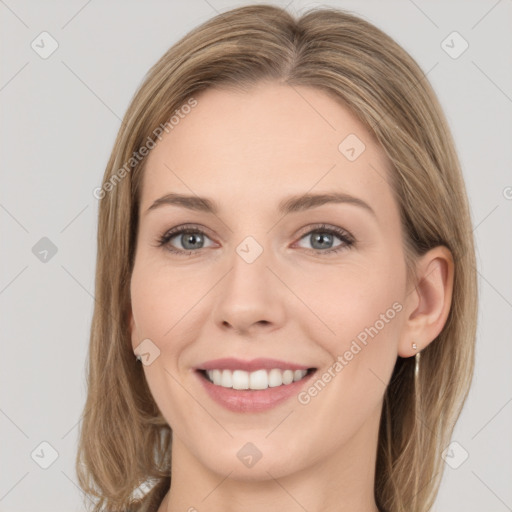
(417, 360)
(138, 357)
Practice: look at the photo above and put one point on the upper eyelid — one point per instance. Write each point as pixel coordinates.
(199, 227)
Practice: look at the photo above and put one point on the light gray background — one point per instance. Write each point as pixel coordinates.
(59, 119)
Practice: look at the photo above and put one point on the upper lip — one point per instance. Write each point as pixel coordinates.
(230, 363)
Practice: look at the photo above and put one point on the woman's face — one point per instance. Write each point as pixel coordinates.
(269, 274)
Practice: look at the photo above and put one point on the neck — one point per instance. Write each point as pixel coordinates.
(342, 481)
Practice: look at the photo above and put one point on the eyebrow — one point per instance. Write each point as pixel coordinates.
(290, 204)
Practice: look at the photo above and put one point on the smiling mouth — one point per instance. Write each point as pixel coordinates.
(256, 380)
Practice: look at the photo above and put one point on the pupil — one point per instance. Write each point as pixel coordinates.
(321, 238)
(190, 238)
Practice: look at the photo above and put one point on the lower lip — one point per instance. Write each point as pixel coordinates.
(249, 400)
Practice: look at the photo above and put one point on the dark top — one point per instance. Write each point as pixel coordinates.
(153, 499)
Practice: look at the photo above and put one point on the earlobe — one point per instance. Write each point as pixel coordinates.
(430, 301)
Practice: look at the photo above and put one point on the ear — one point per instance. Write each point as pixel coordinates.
(428, 304)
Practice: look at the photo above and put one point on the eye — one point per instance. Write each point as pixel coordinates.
(190, 238)
(322, 237)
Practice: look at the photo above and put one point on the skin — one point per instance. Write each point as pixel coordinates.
(247, 151)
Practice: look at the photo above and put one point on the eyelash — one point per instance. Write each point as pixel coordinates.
(347, 239)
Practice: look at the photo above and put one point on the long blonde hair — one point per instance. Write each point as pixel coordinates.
(124, 440)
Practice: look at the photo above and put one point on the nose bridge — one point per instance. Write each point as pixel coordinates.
(249, 270)
(250, 292)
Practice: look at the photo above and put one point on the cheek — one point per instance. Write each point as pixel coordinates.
(162, 301)
(160, 311)
(359, 301)
(146, 302)
(361, 311)
(364, 311)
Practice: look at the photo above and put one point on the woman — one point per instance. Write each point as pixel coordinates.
(283, 230)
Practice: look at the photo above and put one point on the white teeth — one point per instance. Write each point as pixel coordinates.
(275, 378)
(288, 376)
(226, 381)
(259, 379)
(217, 376)
(240, 379)
(297, 375)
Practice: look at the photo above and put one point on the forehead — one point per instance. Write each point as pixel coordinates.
(256, 145)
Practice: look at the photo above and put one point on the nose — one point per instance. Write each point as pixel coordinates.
(251, 297)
